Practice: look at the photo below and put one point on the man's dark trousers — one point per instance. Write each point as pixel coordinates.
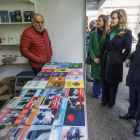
(36, 70)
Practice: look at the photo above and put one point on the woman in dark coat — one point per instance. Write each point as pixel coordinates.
(118, 38)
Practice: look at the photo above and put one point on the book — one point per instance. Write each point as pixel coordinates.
(74, 117)
(35, 85)
(75, 103)
(76, 93)
(64, 63)
(62, 67)
(49, 67)
(55, 103)
(54, 84)
(13, 102)
(4, 16)
(22, 103)
(37, 102)
(74, 84)
(46, 103)
(57, 78)
(76, 70)
(54, 93)
(75, 73)
(21, 117)
(61, 70)
(11, 117)
(29, 116)
(38, 133)
(65, 93)
(37, 93)
(56, 133)
(51, 63)
(47, 70)
(6, 132)
(18, 16)
(62, 103)
(43, 74)
(29, 104)
(74, 78)
(75, 65)
(80, 93)
(20, 133)
(44, 93)
(59, 74)
(4, 39)
(12, 17)
(28, 15)
(3, 113)
(73, 133)
(40, 78)
(28, 93)
(44, 117)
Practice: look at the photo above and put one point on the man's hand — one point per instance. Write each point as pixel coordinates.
(127, 63)
(97, 60)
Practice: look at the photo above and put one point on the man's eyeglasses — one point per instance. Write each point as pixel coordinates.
(37, 22)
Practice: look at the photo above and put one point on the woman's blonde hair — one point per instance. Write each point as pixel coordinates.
(122, 16)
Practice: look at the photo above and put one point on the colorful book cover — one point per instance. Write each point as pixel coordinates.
(75, 69)
(44, 93)
(21, 117)
(43, 74)
(35, 85)
(18, 16)
(75, 65)
(74, 117)
(54, 84)
(74, 84)
(46, 103)
(74, 78)
(44, 117)
(22, 93)
(41, 79)
(62, 67)
(64, 63)
(62, 103)
(56, 133)
(29, 117)
(6, 132)
(59, 74)
(55, 103)
(3, 113)
(12, 16)
(37, 93)
(22, 103)
(29, 104)
(49, 67)
(73, 133)
(61, 70)
(65, 93)
(75, 103)
(54, 93)
(75, 73)
(20, 133)
(51, 63)
(28, 15)
(13, 102)
(74, 92)
(47, 70)
(80, 93)
(57, 79)
(37, 102)
(11, 117)
(38, 133)
(4, 16)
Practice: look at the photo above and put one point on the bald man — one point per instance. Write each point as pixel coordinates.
(35, 44)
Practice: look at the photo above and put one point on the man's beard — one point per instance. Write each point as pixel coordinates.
(38, 29)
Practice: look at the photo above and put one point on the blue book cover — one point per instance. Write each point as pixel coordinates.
(44, 93)
(23, 92)
(64, 63)
(56, 133)
(12, 16)
(54, 92)
(62, 66)
(74, 117)
(59, 120)
(44, 117)
(4, 16)
(38, 133)
(63, 103)
(41, 74)
(59, 74)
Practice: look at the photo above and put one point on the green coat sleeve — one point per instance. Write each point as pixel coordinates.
(90, 48)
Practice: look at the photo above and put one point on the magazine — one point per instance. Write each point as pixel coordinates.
(55, 84)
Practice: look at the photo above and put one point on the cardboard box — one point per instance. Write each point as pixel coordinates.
(9, 60)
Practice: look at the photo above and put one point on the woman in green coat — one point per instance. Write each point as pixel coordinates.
(95, 47)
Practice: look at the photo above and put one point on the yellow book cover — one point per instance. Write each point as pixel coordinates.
(61, 70)
(74, 84)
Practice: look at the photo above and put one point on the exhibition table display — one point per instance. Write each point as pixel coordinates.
(50, 107)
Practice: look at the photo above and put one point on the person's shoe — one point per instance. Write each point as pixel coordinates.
(137, 130)
(93, 96)
(110, 106)
(90, 80)
(98, 97)
(126, 117)
(103, 104)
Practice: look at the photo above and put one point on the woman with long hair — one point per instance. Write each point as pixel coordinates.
(116, 48)
(96, 43)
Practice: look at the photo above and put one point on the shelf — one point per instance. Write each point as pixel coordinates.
(15, 23)
(17, 62)
(9, 44)
(17, 1)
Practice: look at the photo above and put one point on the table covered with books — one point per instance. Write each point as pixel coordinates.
(50, 107)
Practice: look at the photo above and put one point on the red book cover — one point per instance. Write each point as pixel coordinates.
(55, 103)
(80, 93)
(29, 104)
(3, 113)
(47, 70)
(21, 117)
